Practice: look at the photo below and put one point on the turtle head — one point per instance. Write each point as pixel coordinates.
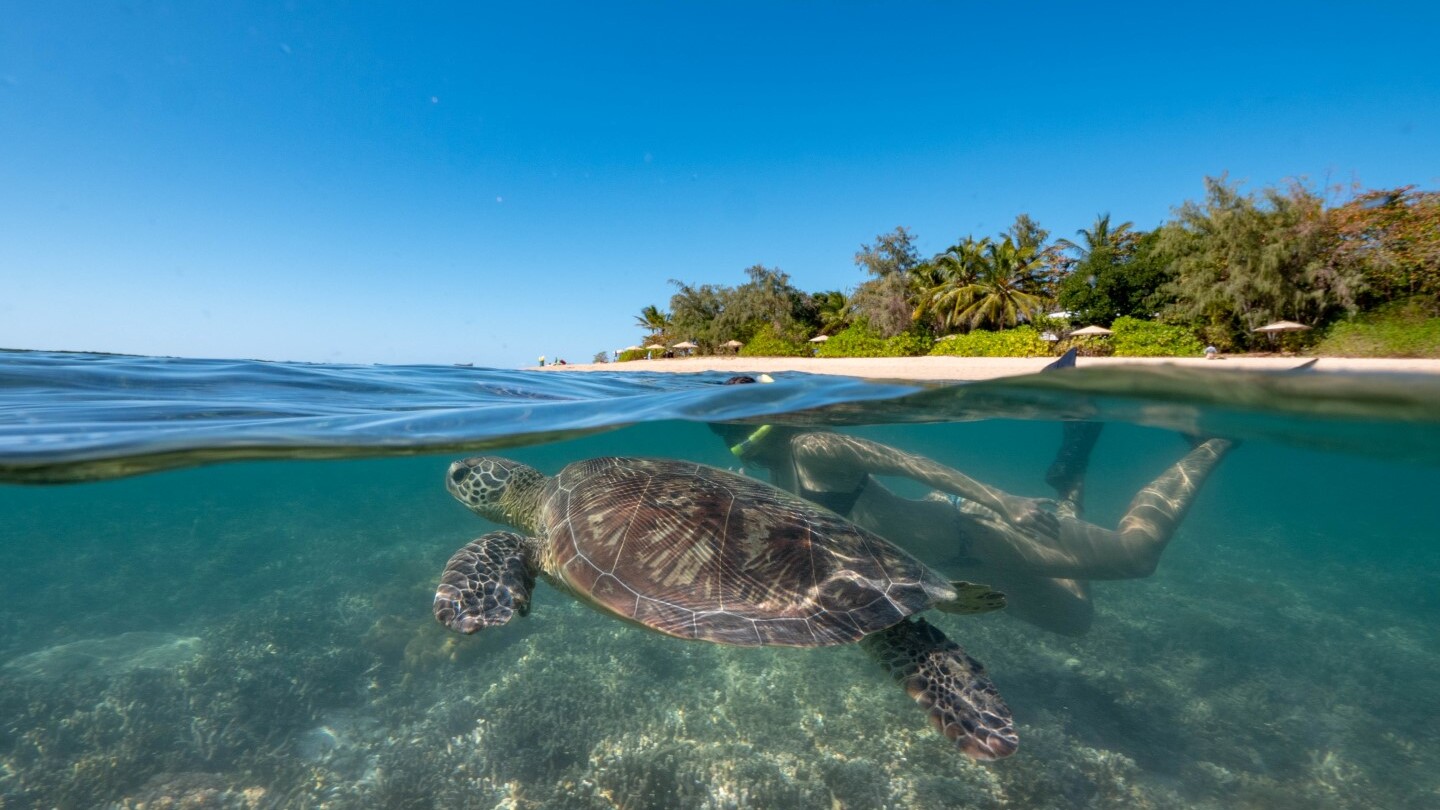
(498, 489)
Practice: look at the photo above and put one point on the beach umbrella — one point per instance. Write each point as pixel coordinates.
(819, 338)
(733, 344)
(685, 344)
(1282, 326)
(654, 347)
(1091, 330)
(1275, 328)
(633, 349)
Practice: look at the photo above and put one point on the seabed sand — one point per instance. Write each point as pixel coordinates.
(983, 368)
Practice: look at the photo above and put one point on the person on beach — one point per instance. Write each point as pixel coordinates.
(1040, 552)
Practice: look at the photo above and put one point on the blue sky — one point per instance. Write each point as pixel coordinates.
(465, 182)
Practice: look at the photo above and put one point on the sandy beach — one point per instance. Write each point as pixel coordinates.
(981, 368)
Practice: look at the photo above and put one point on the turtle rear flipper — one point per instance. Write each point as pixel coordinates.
(963, 704)
(485, 583)
(972, 598)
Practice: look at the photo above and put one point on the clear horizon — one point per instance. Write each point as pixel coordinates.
(478, 185)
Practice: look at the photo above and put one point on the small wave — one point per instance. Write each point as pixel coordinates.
(74, 417)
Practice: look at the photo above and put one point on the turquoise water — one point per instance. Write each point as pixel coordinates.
(257, 632)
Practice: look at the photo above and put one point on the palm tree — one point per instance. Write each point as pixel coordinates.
(1101, 238)
(1008, 289)
(834, 309)
(951, 286)
(652, 320)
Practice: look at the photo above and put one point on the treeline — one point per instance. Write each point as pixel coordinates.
(1217, 270)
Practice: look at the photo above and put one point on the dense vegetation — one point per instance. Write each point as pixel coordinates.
(1365, 272)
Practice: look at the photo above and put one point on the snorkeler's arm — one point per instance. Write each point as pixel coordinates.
(825, 450)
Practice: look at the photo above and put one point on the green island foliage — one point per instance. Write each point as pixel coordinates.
(1404, 329)
(860, 340)
(768, 343)
(1136, 338)
(857, 341)
(637, 354)
(1222, 266)
(1022, 341)
(909, 344)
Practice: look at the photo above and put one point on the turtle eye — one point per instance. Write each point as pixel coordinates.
(459, 474)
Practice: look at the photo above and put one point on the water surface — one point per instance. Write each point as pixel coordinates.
(257, 633)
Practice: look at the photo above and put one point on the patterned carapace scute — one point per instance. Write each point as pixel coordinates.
(699, 553)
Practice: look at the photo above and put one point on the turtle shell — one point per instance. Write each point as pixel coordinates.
(700, 553)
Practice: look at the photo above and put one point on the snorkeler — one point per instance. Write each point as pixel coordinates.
(1040, 552)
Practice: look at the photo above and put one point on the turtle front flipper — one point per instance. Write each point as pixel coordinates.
(485, 583)
(971, 597)
(950, 685)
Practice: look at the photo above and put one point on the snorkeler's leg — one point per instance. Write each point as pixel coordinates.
(1158, 508)
(1083, 550)
(823, 455)
(1067, 472)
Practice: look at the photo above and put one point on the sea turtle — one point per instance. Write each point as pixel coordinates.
(699, 553)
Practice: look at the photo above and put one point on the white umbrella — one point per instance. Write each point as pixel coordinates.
(1282, 326)
(1273, 329)
(633, 349)
(654, 347)
(819, 338)
(733, 344)
(1091, 330)
(685, 344)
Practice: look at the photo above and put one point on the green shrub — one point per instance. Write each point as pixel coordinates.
(1022, 341)
(908, 344)
(855, 341)
(766, 343)
(859, 340)
(1136, 338)
(1405, 329)
(632, 355)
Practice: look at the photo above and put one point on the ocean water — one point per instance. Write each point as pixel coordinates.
(216, 583)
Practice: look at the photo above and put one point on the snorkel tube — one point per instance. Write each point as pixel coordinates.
(747, 445)
(744, 447)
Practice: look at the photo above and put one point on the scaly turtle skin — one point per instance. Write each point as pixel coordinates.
(699, 553)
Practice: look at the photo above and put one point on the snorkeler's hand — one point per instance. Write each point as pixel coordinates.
(1036, 516)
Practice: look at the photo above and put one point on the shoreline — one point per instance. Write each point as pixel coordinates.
(981, 368)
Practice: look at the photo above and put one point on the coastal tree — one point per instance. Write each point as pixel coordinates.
(1113, 271)
(1241, 260)
(1047, 259)
(1010, 288)
(695, 312)
(989, 283)
(953, 284)
(767, 298)
(1101, 241)
(887, 300)
(833, 311)
(1392, 237)
(654, 321)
